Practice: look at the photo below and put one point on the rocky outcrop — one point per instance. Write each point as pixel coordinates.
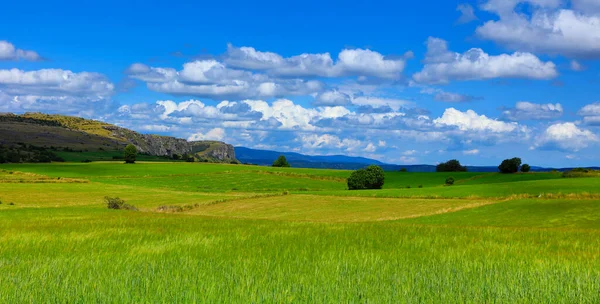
(213, 151)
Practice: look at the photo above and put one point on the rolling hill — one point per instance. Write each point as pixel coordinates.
(79, 135)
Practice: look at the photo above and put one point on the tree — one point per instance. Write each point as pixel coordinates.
(452, 165)
(371, 177)
(130, 154)
(281, 162)
(525, 168)
(450, 181)
(510, 165)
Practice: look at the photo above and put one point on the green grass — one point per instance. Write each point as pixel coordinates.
(255, 234)
(102, 156)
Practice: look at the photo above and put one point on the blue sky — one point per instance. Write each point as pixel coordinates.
(402, 82)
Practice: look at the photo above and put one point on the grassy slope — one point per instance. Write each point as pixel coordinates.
(434, 250)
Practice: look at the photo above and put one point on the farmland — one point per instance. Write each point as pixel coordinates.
(235, 233)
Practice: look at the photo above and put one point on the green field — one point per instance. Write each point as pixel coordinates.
(248, 234)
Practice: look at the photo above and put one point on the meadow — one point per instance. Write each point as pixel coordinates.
(243, 234)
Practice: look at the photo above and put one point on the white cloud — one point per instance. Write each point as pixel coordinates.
(471, 152)
(565, 136)
(328, 141)
(471, 121)
(350, 62)
(332, 98)
(443, 66)
(370, 148)
(213, 79)
(9, 52)
(467, 13)
(409, 152)
(551, 28)
(214, 134)
(53, 90)
(532, 111)
(377, 102)
(591, 114)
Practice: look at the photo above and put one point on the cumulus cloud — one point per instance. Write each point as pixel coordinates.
(213, 79)
(467, 13)
(9, 52)
(332, 98)
(551, 27)
(471, 121)
(591, 114)
(214, 134)
(524, 110)
(565, 136)
(52, 90)
(443, 66)
(350, 62)
(327, 141)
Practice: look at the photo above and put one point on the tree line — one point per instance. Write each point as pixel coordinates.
(512, 165)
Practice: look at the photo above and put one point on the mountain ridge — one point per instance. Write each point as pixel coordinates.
(57, 132)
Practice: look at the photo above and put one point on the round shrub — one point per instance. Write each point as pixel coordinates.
(525, 168)
(450, 181)
(371, 177)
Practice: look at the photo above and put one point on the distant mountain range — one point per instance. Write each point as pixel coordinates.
(266, 158)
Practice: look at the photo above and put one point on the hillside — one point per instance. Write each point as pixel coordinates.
(79, 135)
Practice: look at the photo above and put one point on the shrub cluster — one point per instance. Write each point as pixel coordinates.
(580, 172)
(371, 177)
(510, 165)
(450, 181)
(281, 161)
(452, 165)
(118, 204)
(23, 153)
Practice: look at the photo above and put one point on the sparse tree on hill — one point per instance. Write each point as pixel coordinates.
(281, 162)
(452, 165)
(130, 154)
(510, 165)
(525, 168)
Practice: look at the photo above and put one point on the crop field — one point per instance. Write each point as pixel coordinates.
(219, 233)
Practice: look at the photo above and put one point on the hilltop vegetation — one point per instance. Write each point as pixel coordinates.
(59, 133)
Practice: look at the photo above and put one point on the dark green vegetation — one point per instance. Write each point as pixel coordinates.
(525, 168)
(69, 137)
(371, 177)
(452, 165)
(20, 153)
(235, 233)
(129, 154)
(510, 165)
(281, 162)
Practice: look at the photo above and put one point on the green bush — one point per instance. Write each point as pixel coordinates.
(371, 177)
(118, 204)
(510, 165)
(281, 161)
(525, 168)
(129, 154)
(452, 165)
(450, 181)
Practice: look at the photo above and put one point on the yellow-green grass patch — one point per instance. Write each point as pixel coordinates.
(334, 209)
